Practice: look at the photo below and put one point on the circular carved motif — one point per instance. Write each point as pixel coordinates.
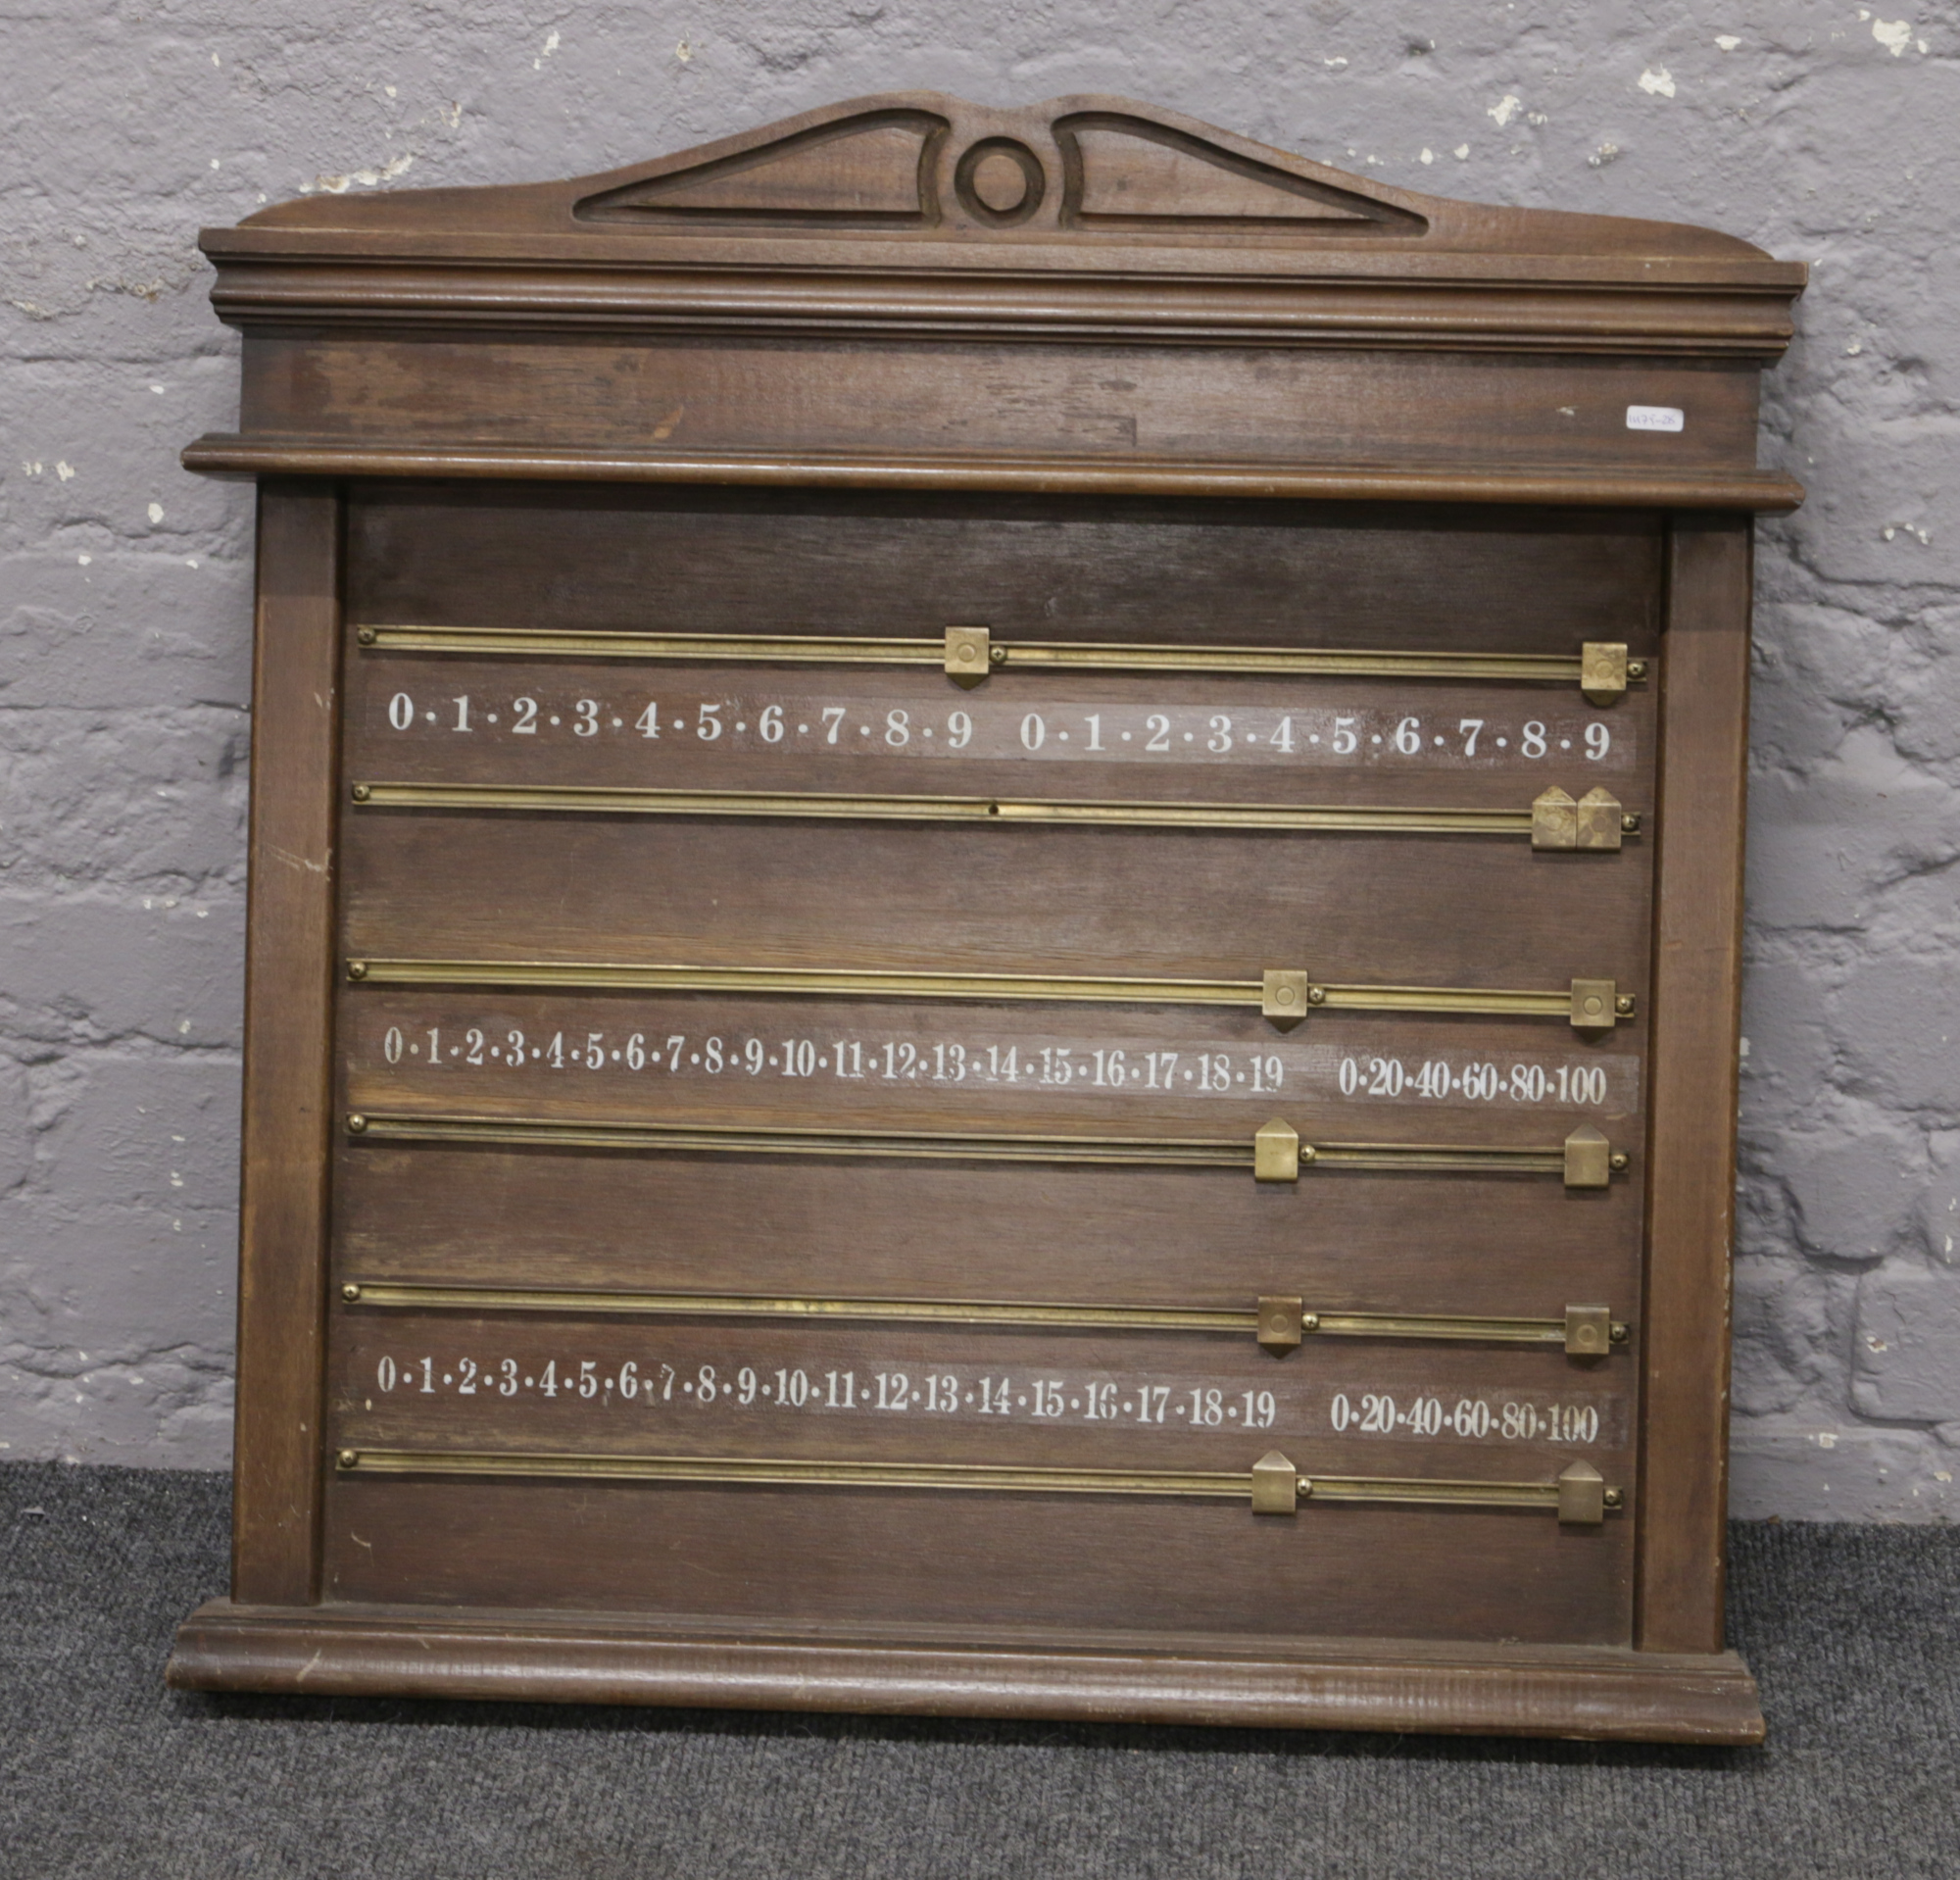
(999, 182)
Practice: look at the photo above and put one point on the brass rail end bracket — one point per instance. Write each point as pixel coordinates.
(1589, 1331)
(1598, 1005)
(1582, 1496)
(1591, 1160)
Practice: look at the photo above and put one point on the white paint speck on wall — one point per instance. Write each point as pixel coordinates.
(369, 179)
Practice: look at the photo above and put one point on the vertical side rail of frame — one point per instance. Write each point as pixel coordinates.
(288, 1036)
(1701, 798)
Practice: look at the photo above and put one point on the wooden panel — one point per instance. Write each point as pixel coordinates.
(719, 561)
(288, 1037)
(1394, 908)
(1181, 402)
(1437, 911)
(1387, 909)
(1697, 1021)
(1433, 1243)
(847, 1556)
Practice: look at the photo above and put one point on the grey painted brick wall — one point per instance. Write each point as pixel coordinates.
(1825, 132)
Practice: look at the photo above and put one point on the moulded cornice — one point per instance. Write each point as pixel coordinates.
(1084, 218)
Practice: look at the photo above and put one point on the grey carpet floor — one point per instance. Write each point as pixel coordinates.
(1855, 1633)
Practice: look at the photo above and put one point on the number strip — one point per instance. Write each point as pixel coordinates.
(408, 1297)
(1605, 675)
(590, 800)
(848, 982)
(776, 1471)
(1249, 1152)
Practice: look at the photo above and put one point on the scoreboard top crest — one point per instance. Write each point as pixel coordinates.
(913, 235)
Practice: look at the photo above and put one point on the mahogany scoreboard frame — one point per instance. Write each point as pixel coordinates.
(994, 937)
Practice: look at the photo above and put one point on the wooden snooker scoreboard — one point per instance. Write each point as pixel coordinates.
(994, 939)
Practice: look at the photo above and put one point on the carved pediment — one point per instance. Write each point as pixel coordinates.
(868, 171)
(1129, 173)
(913, 176)
(929, 165)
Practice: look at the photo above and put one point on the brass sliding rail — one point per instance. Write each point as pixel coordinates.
(1283, 995)
(969, 655)
(1271, 1486)
(1554, 821)
(1274, 1153)
(1277, 1321)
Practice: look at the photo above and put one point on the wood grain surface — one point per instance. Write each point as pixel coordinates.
(710, 559)
(788, 1556)
(283, 1207)
(1698, 1022)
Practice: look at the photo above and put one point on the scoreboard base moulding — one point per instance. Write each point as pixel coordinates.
(1592, 1692)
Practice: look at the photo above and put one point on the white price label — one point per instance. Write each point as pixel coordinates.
(1657, 417)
